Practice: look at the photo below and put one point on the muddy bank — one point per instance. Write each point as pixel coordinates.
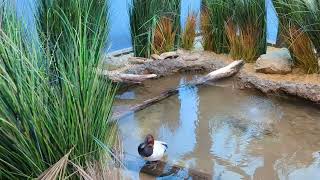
(300, 85)
(296, 84)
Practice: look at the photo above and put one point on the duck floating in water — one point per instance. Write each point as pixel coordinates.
(152, 150)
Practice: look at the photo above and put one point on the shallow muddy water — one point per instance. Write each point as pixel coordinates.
(224, 132)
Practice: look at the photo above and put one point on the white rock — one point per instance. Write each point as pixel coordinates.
(155, 57)
(169, 55)
(275, 62)
(137, 60)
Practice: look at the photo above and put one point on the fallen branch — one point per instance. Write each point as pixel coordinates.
(221, 73)
(128, 78)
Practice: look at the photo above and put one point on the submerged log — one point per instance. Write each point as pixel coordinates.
(221, 73)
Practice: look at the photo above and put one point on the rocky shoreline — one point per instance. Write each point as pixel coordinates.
(296, 84)
(303, 86)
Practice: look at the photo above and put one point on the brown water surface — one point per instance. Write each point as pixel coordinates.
(225, 132)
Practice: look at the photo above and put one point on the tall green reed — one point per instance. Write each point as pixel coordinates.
(217, 12)
(145, 16)
(43, 115)
(250, 16)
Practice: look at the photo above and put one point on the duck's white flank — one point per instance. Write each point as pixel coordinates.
(159, 148)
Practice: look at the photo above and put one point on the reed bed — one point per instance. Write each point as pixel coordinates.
(207, 36)
(235, 45)
(54, 106)
(302, 49)
(147, 17)
(250, 16)
(300, 28)
(216, 13)
(189, 32)
(164, 36)
(237, 27)
(143, 20)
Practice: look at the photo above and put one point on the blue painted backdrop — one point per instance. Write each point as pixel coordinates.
(120, 32)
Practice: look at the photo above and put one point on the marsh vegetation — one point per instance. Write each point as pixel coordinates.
(236, 27)
(55, 107)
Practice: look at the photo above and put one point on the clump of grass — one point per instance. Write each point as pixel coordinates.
(51, 122)
(145, 17)
(172, 10)
(300, 28)
(250, 16)
(218, 12)
(234, 39)
(143, 20)
(164, 36)
(303, 50)
(189, 32)
(207, 37)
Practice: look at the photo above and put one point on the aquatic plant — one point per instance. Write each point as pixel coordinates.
(172, 10)
(303, 50)
(217, 12)
(300, 28)
(207, 36)
(145, 17)
(189, 32)
(235, 45)
(143, 20)
(54, 124)
(164, 36)
(250, 16)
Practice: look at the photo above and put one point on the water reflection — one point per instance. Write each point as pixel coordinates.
(230, 134)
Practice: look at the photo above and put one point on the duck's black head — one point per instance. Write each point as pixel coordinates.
(145, 150)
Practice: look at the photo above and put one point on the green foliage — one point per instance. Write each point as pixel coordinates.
(53, 102)
(237, 27)
(300, 27)
(144, 18)
(250, 16)
(217, 12)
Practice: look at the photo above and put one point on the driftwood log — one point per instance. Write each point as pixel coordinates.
(128, 78)
(221, 73)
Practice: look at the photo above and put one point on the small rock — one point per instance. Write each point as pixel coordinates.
(155, 57)
(275, 62)
(191, 57)
(137, 60)
(169, 55)
(112, 63)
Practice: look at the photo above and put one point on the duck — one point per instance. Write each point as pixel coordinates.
(152, 150)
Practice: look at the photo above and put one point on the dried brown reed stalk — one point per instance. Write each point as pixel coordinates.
(164, 36)
(189, 32)
(207, 36)
(302, 48)
(249, 40)
(234, 40)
